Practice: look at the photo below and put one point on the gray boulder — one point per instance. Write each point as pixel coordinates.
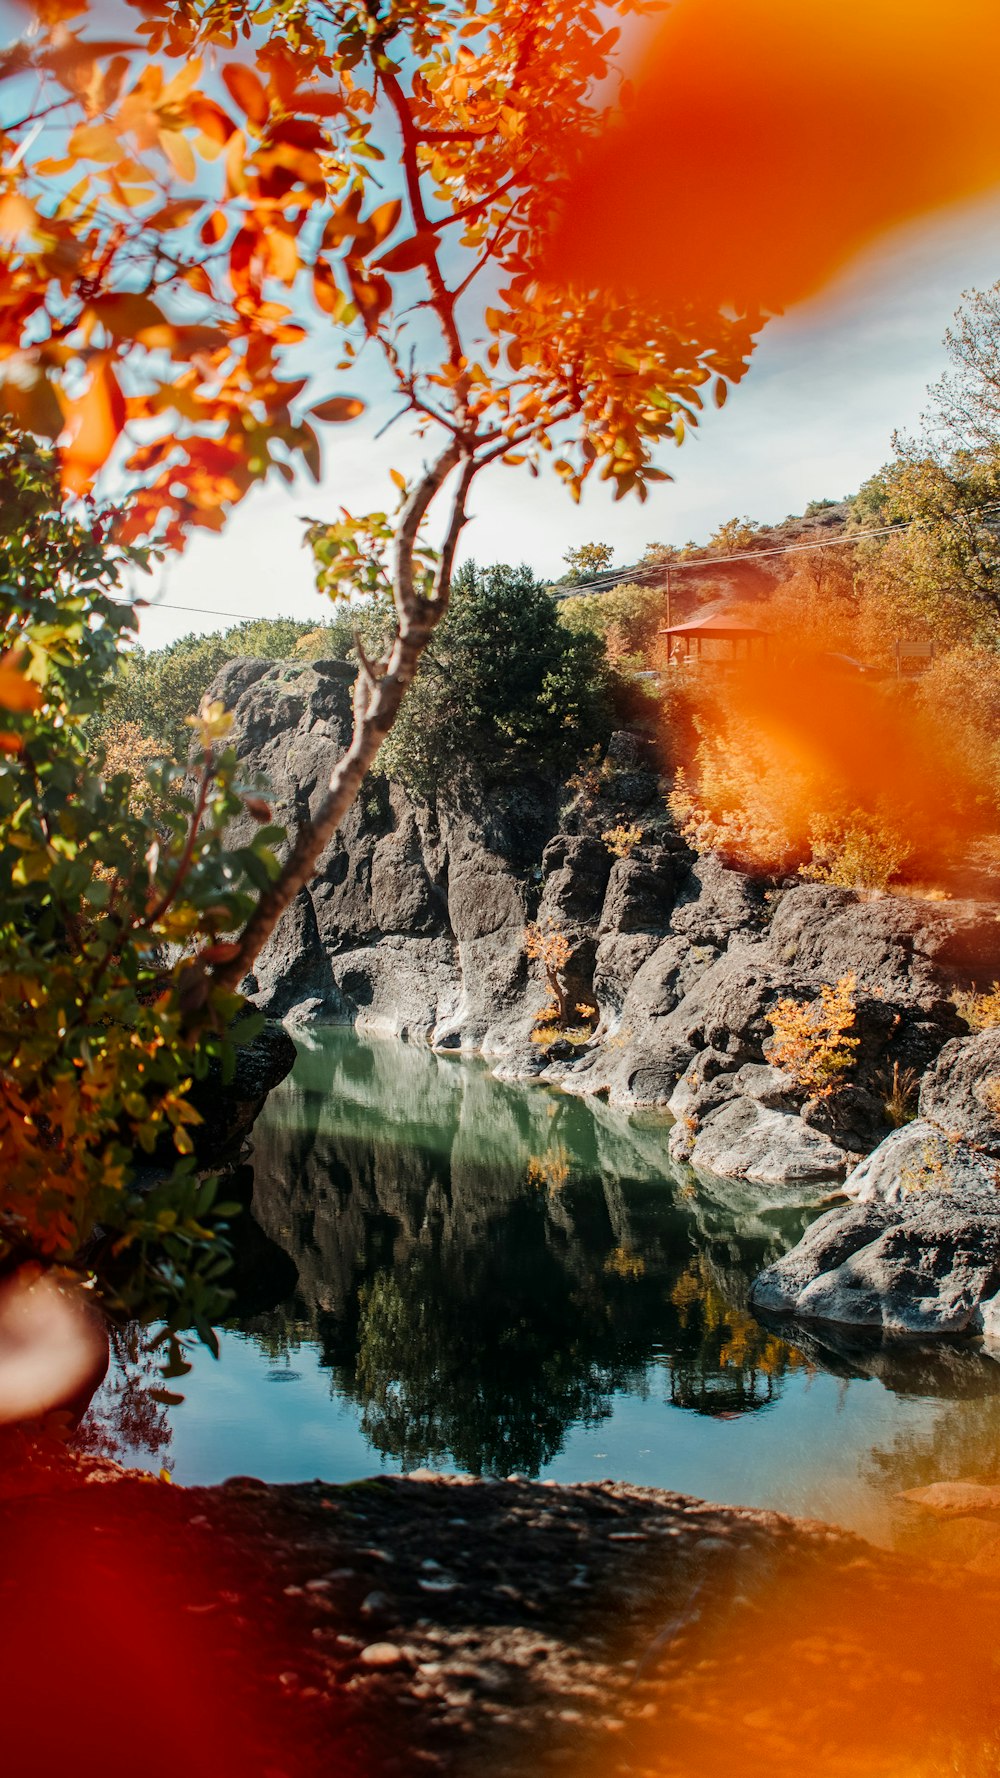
(961, 1091)
(640, 893)
(917, 1252)
(744, 1139)
(926, 1267)
(923, 1158)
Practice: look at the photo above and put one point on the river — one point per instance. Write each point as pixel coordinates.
(440, 1269)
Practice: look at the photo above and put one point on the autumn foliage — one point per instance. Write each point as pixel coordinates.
(185, 205)
(813, 1040)
(119, 891)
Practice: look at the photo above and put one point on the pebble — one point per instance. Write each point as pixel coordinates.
(381, 1654)
(373, 1602)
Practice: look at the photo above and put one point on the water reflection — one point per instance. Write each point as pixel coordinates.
(483, 1267)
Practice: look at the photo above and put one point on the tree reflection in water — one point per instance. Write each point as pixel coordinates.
(485, 1266)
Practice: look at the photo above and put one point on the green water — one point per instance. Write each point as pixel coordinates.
(441, 1269)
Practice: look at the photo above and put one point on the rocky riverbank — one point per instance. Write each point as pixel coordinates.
(456, 1626)
(415, 925)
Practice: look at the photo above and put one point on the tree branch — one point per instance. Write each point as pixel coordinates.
(443, 301)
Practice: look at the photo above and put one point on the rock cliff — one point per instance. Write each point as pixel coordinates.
(414, 925)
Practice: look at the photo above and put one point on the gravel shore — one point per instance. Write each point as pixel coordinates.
(441, 1624)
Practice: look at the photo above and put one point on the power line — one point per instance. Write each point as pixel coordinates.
(198, 610)
(615, 577)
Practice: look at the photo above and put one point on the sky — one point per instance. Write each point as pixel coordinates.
(828, 385)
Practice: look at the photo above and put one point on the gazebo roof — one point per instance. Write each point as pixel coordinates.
(720, 624)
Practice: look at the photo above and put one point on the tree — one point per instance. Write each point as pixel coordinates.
(504, 687)
(734, 536)
(937, 571)
(588, 560)
(211, 224)
(656, 555)
(626, 618)
(966, 400)
(119, 890)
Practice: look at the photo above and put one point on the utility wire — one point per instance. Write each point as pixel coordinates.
(616, 577)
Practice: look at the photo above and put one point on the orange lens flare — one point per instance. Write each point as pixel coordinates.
(771, 140)
(789, 745)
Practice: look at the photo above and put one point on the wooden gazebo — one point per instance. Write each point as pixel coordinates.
(681, 639)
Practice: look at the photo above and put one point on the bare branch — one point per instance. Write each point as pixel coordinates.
(411, 610)
(442, 578)
(376, 704)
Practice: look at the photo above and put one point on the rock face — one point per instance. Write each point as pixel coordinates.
(414, 925)
(917, 1251)
(230, 1108)
(929, 1266)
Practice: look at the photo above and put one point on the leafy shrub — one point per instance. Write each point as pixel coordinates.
(622, 840)
(549, 946)
(101, 1035)
(812, 1040)
(861, 852)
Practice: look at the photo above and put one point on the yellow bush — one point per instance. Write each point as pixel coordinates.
(980, 1011)
(861, 852)
(811, 1039)
(127, 749)
(622, 840)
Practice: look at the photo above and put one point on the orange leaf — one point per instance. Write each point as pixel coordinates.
(28, 396)
(409, 254)
(17, 216)
(327, 292)
(247, 91)
(210, 118)
(131, 316)
(340, 408)
(179, 153)
(235, 152)
(16, 691)
(174, 215)
(94, 421)
(382, 221)
(95, 142)
(213, 228)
